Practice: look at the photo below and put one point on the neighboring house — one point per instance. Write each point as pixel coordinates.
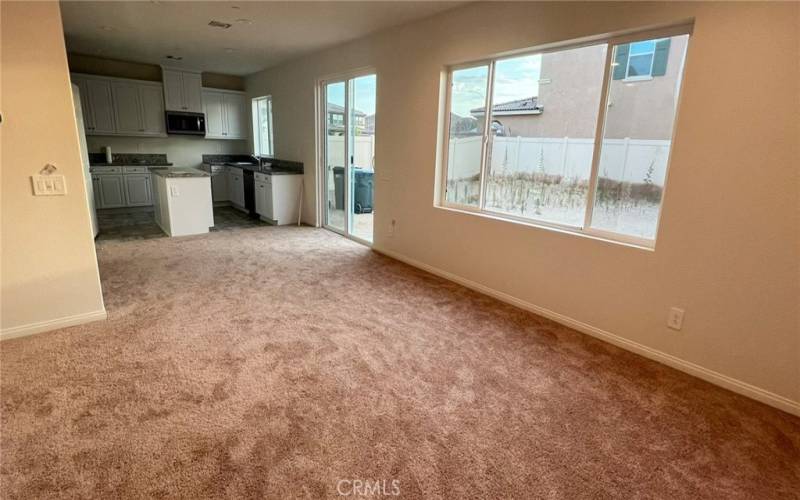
(645, 73)
(336, 119)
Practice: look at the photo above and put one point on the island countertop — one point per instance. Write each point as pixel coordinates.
(178, 172)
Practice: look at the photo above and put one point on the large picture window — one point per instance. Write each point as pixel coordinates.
(576, 137)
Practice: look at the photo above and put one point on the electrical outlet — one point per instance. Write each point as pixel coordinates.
(675, 318)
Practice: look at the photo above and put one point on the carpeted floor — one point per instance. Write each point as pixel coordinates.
(289, 362)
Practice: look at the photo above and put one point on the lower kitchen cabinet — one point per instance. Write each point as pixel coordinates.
(138, 190)
(112, 190)
(236, 187)
(278, 197)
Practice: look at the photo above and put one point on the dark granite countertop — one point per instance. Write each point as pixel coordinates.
(178, 172)
(129, 160)
(130, 164)
(273, 166)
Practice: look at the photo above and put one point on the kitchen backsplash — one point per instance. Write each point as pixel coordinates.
(129, 159)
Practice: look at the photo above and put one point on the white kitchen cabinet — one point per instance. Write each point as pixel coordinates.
(112, 190)
(119, 106)
(138, 108)
(96, 103)
(151, 96)
(183, 90)
(278, 197)
(138, 190)
(236, 187)
(226, 114)
(127, 107)
(214, 108)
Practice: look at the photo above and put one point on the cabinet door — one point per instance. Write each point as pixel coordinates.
(269, 201)
(101, 105)
(173, 90)
(98, 201)
(86, 107)
(235, 116)
(215, 121)
(137, 190)
(260, 192)
(112, 190)
(127, 108)
(193, 92)
(152, 100)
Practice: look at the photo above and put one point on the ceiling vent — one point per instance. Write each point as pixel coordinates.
(219, 24)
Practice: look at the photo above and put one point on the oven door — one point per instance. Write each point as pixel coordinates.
(186, 123)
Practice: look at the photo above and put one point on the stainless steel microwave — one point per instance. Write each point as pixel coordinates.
(179, 122)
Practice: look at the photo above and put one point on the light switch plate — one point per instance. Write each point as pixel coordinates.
(49, 185)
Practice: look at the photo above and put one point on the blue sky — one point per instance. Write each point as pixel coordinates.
(364, 89)
(514, 79)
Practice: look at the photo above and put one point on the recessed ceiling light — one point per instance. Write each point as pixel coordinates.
(220, 24)
(235, 7)
(107, 28)
(229, 50)
(245, 21)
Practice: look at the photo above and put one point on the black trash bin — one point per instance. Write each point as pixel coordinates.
(338, 187)
(363, 190)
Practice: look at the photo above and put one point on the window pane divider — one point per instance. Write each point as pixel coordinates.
(598, 138)
(487, 137)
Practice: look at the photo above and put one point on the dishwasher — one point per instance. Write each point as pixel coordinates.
(249, 192)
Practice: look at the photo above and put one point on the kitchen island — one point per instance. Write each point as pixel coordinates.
(182, 200)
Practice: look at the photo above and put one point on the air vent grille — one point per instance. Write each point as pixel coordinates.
(219, 24)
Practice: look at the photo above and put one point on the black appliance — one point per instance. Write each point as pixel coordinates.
(179, 122)
(249, 192)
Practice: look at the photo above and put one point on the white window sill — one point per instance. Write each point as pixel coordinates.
(632, 79)
(592, 234)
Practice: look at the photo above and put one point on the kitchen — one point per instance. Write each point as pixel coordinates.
(152, 131)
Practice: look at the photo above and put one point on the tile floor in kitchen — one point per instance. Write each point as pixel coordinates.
(138, 224)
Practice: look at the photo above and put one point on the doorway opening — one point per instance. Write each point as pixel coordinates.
(347, 126)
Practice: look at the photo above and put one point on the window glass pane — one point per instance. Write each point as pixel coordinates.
(264, 126)
(544, 120)
(643, 47)
(636, 142)
(640, 65)
(468, 92)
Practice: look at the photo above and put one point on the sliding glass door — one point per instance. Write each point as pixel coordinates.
(348, 152)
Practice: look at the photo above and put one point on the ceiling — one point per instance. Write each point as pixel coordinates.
(262, 34)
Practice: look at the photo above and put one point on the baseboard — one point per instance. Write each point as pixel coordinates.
(716, 378)
(53, 324)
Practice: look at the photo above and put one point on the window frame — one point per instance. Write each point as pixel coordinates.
(586, 230)
(257, 127)
(652, 54)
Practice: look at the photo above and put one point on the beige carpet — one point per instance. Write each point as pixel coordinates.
(278, 362)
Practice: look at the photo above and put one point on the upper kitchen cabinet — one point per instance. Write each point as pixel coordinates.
(138, 107)
(118, 106)
(226, 114)
(183, 90)
(97, 105)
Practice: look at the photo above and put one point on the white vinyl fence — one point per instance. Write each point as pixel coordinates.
(363, 151)
(627, 160)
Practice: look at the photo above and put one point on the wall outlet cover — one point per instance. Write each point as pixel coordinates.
(675, 318)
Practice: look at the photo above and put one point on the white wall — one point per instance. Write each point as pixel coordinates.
(729, 241)
(49, 268)
(182, 151)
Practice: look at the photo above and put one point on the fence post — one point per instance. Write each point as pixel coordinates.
(564, 157)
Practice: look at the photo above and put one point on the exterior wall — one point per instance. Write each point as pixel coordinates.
(644, 109)
(727, 248)
(570, 93)
(49, 267)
